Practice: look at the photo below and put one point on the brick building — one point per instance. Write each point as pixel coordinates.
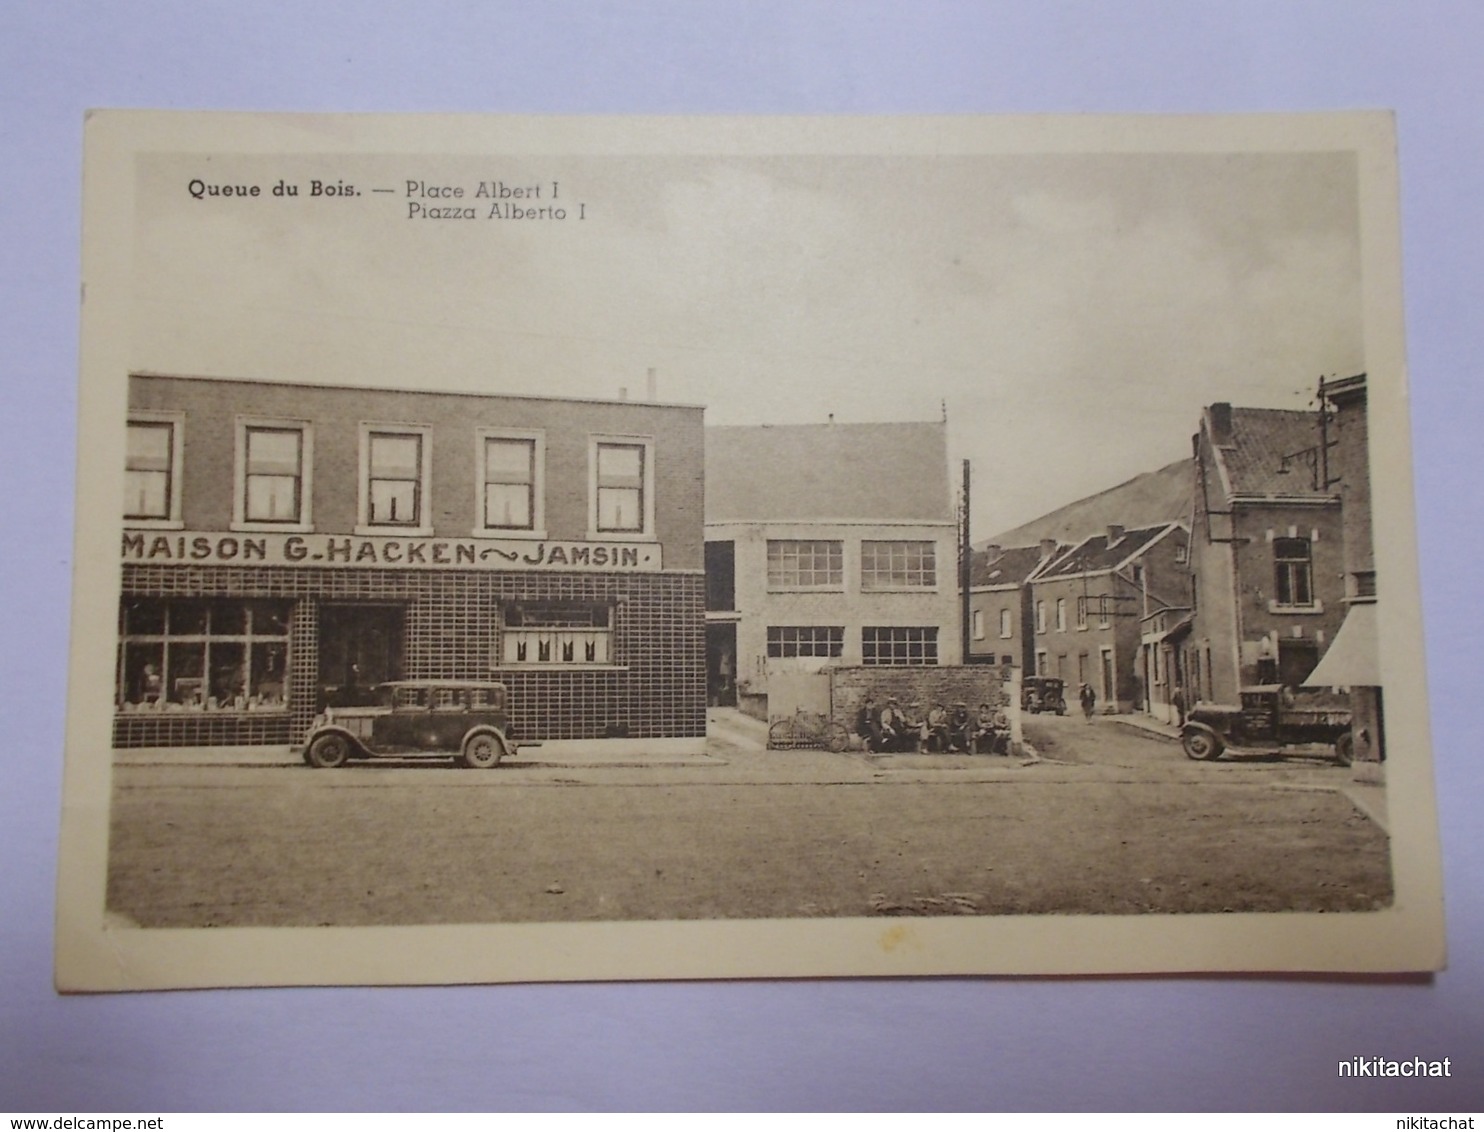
(1353, 660)
(827, 545)
(1087, 602)
(1266, 552)
(1001, 616)
(291, 546)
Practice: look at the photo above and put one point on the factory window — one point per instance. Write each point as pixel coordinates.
(898, 565)
(805, 640)
(899, 644)
(803, 564)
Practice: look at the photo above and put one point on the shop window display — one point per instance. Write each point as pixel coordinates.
(203, 655)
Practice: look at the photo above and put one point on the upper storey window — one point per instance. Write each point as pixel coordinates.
(152, 470)
(898, 565)
(806, 564)
(1293, 566)
(511, 489)
(395, 470)
(622, 488)
(274, 468)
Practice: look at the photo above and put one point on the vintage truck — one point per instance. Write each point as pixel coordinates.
(1270, 718)
(1043, 693)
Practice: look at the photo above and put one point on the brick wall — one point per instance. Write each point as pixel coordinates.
(211, 408)
(973, 684)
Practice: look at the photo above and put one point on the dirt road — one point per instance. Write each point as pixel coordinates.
(762, 834)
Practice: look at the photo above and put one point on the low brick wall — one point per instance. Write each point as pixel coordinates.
(974, 684)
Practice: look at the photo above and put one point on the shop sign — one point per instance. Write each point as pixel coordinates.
(214, 548)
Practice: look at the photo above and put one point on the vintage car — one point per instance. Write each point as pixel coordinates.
(463, 718)
(1270, 718)
(1043, 693)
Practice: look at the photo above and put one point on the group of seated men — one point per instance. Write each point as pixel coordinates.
(942, 730)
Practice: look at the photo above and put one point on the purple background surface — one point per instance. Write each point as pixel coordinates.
(934, 1044)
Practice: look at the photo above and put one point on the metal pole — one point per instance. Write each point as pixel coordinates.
(965, 571)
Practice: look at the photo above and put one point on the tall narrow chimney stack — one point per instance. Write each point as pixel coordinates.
(1221, 423)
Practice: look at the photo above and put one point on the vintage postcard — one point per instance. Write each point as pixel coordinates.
(519, 548)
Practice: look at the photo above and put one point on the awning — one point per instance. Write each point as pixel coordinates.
(1173, 633)
(1352, 660)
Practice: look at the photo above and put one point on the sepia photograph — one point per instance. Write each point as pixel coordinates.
(522, 549)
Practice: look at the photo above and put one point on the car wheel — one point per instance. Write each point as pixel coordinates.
(836, 738)
(1345, 748)
(781, 735)
(483, 750)
(328, 751)
(1202, 746)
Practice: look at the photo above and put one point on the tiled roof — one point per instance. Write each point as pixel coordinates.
(1260, 440)
(1095, 553)
(896, 471)
(1012, 567)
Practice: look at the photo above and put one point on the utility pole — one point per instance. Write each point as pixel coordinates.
(965, 570)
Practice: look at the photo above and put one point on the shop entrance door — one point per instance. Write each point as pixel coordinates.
(1296, 659)
(721, 664)
(360, 646)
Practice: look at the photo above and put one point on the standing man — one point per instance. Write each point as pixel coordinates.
(868, 724)
(1089, 700)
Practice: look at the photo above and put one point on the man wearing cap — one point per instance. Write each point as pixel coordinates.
(960, 725)
(894, 732)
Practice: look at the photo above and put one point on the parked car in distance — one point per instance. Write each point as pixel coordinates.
(1271, 718)
(466, 719)
(1043, 693)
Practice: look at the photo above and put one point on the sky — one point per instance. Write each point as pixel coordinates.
(1070, 313)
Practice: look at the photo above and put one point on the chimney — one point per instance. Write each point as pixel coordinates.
(1048, 548)
(1221, 423)
(1115, 534)
(651, 386)
(992, 551)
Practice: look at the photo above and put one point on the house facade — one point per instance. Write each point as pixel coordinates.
(827, 545)
(1001, 624)
(1087, 603)
(1353, 660)
(290, 547)
(1266, 552)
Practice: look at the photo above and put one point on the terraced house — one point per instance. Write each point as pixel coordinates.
(287, 547)
(1267, 551)
(1087, 602)
(1002, 628)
